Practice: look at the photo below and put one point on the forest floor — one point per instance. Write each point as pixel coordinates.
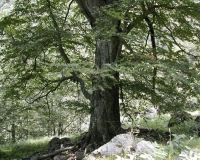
(155, 130)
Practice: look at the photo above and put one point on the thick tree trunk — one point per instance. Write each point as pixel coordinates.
(105, 117)
(105, 112)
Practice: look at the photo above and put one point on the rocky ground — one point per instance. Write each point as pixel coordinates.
(133, 144)
(130, 144)
(122, 147)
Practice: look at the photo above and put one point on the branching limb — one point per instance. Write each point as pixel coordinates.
(59, 82)
(47, 102)
(148, 11)
(179, 46)
(141, 17)
(65, 57)
(67, 12)
(59, 39)
(176, 43)
(73, 78)
(153, 42)
(85, 10)
(127, 46)
(83, 89)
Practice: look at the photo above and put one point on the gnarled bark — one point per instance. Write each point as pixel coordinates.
(105, 113)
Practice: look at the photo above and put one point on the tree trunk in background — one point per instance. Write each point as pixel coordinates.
(13, 132)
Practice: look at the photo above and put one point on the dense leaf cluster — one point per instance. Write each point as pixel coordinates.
(45, 43)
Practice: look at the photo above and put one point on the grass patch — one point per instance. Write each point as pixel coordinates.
(22, 148)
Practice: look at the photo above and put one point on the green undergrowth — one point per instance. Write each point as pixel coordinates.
(169, 151)
(158, 122)
(184, 139)
(183, 136)
(22, 148)
(193, 143)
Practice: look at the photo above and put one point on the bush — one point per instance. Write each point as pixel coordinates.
(179, 117)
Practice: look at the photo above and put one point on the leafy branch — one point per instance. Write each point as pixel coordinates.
(67, 13)
(60, 46)
(153, 44)
(73, 78)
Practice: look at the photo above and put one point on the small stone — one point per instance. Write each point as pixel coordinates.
(79, 155)
(60, 157)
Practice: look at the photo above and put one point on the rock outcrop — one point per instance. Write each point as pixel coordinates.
(125, 144)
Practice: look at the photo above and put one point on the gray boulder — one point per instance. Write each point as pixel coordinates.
(122, 142)
(193, 154)
(144, 147)
(125, 143)
(57, 143)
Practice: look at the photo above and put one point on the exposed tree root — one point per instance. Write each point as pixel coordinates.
(55, 153)
(71, 150)
(37, 155)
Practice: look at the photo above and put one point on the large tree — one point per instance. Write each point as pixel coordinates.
(134, 45)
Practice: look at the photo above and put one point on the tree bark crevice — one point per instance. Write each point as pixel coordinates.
(105, 113)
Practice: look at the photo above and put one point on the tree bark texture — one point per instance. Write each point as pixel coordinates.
(105, 112)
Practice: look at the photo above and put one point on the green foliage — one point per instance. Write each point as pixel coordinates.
(183, 138)
(193, 143)
(33, 66)
(176, 145)
(190, 128)
(158, 122)
(179, 117)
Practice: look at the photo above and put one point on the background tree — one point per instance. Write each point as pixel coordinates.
(119, 49)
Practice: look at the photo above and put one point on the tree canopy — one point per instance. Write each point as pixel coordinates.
(50, 50)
